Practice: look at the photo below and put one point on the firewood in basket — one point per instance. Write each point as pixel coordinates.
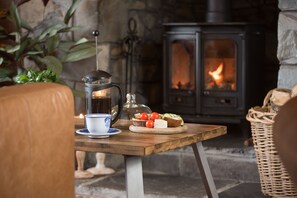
(294, 91)
(280, 97)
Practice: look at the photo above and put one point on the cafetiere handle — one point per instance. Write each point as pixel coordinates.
(120, 104)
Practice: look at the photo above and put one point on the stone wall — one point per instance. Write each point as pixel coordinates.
(287, 43)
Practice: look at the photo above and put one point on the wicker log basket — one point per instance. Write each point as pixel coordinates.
(274, 178)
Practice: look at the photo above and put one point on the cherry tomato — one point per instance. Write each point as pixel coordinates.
(149, 124)
(155, 115)
(144, 116)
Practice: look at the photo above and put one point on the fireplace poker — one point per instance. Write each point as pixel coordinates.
(130, 43)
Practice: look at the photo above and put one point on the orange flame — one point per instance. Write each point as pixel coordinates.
(217, 74)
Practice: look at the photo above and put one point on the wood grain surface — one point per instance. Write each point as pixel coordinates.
(140, 144)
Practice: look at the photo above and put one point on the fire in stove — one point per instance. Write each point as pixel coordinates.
(217, 81)
(217, 75)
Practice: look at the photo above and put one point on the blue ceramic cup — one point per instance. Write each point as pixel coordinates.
(98, 122)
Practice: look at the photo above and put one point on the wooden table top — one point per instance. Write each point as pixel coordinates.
(139, 144)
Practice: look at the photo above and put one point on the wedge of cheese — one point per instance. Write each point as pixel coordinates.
(160, 124)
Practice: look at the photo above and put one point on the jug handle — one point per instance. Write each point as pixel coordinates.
(120, 104)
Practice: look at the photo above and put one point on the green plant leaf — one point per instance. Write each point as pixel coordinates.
(82, 46)
(38, 77)
(80, 41)
(65, 45)
(32, 74)
(15, 16)
(12, 49)
(52, 43)
(22, 78)
(28, 77)
(49, 76)
(34, 52)
(70, 45)
(79, 54)
(35, 44)
(69, 29)
(52, 63)
(4, 72)
(5, 79)
(46, 49)
(71, 11)
(17, 36)
(23, 47)
(50, 31)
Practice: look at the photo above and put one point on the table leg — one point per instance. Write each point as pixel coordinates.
(100, 168)
(80, 172)
(134, 177)
(204, 170)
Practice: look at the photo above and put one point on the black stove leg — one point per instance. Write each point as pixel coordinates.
(246, 132)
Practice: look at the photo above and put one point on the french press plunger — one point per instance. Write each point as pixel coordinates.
(98, 87)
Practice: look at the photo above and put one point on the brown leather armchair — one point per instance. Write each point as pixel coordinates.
(36, 141)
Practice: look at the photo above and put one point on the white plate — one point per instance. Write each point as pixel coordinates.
(112, 131)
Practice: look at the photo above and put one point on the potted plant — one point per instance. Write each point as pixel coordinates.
(46, 48)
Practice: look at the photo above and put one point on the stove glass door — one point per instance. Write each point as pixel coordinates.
(182, 64)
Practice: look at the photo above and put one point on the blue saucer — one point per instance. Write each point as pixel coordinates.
(111, 131)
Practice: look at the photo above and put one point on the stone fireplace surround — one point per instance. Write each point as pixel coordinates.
(287, 44)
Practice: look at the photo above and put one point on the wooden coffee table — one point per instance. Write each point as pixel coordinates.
(133, 146)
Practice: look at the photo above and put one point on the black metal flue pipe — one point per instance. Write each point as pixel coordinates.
(218, 11)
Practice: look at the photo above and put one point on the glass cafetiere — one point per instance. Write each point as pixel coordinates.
(98, 94)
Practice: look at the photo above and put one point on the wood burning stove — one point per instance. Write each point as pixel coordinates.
(212, 71)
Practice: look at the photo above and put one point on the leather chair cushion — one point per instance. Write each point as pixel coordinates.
(37, 141)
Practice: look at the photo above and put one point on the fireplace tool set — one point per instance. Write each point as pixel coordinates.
(130, 46)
